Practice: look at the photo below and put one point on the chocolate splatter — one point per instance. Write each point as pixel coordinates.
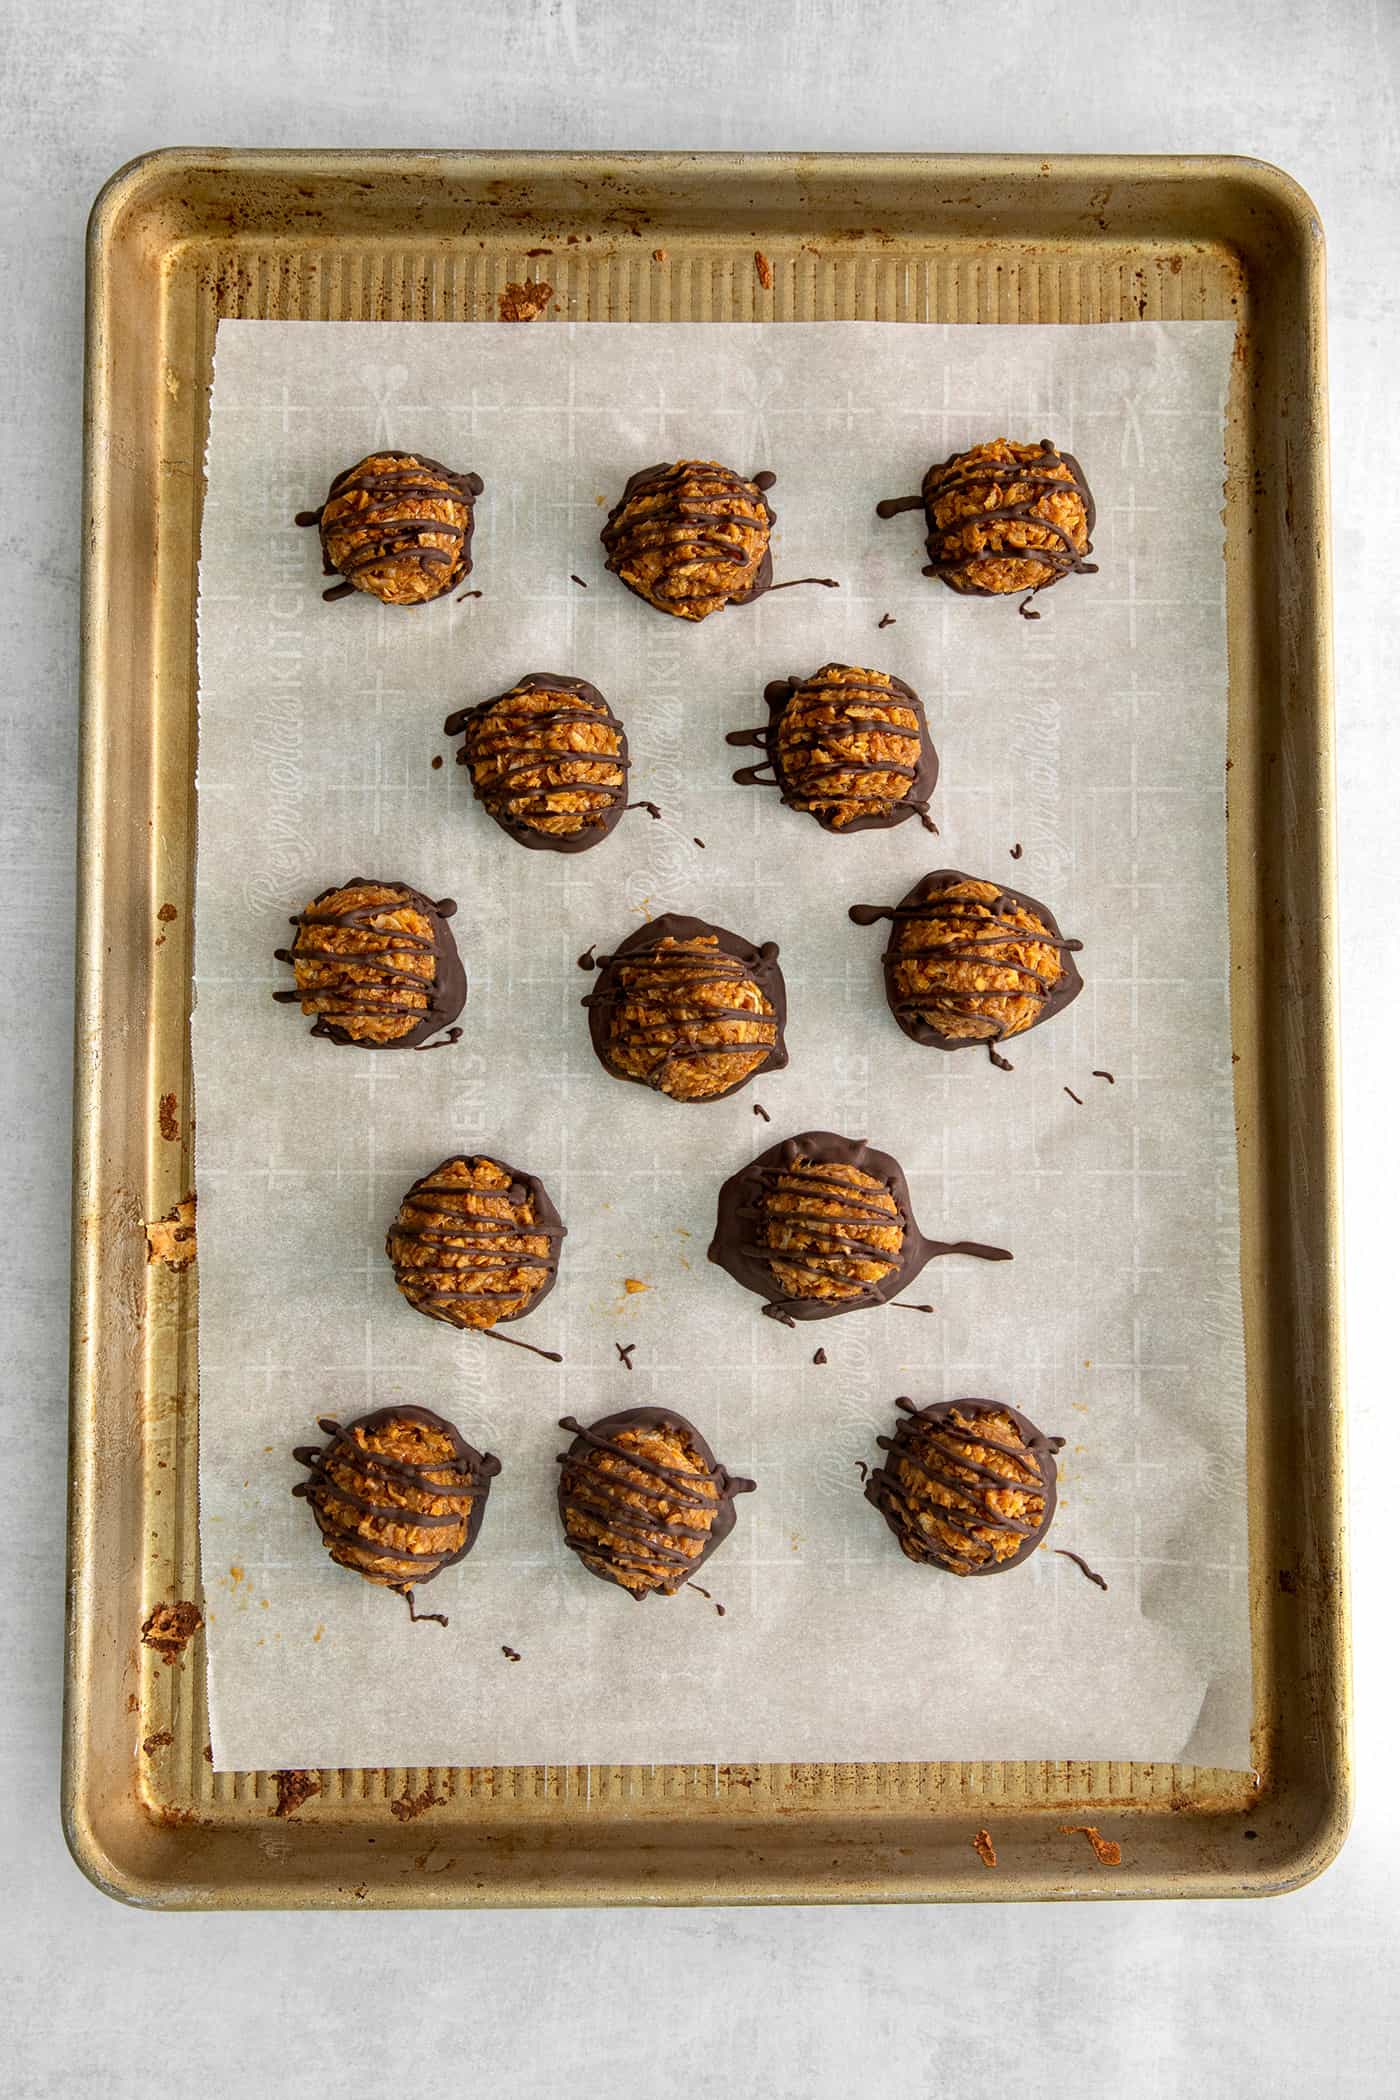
(1097, 1074)
(468, 594)
(1073, 1096)
(437, 762)
(578, 580)
(887, 621)
(512, 1655)
(760, 1110)
(820, 1357)
(624, 1350)
(1017, 850)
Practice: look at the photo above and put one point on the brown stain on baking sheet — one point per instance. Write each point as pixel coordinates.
(170, 1628)
(409, 1807)
(169, 1118)
(524, 302)
(293, 1789)
(1107, 1851)
(171, 1239)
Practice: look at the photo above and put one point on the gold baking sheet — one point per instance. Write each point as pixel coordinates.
(180, 240)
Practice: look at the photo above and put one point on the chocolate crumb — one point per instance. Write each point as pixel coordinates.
(820, 1357)
(760, 1110)
(764, 269)
(437, 762)
(887, 621)
(1107, 1851)
(984, 1848)
(1081, 1564)
(1097, 1074)
(512, 1655)
(1073, 1096)
(578, 580)
(698, 842)
(624, 1350)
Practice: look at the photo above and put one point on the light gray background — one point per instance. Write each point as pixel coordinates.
(1296, 1996)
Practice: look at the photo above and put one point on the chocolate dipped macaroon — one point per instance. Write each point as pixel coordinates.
(548, 761)
(398, 1495)
(643, 1500)
(819, 1225)
(377, 964)
(967, 1486)
(847, 746)
(476, 1245)
(691, 536)
(969, 962)
(688, 1009)
(1004, 517)
(398, 526)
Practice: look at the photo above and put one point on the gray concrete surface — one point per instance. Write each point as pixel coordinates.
(1292, 1997)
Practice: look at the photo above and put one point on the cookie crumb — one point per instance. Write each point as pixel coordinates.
(764, 269)
(984, 1848)
(633, 1284)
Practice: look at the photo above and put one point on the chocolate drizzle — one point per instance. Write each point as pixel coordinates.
(928, 1442)
(829, 1246)
(525, 768)
(642, 1543)
(391, 989)
(476, 1232)
(383, 1495)
(929, 912)
(1083, 1566)
(388, 535)
(958, 565)
(677, 510)
(641, 975)
(812, 756)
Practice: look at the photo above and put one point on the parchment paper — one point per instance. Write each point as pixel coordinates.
(1094, 738)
